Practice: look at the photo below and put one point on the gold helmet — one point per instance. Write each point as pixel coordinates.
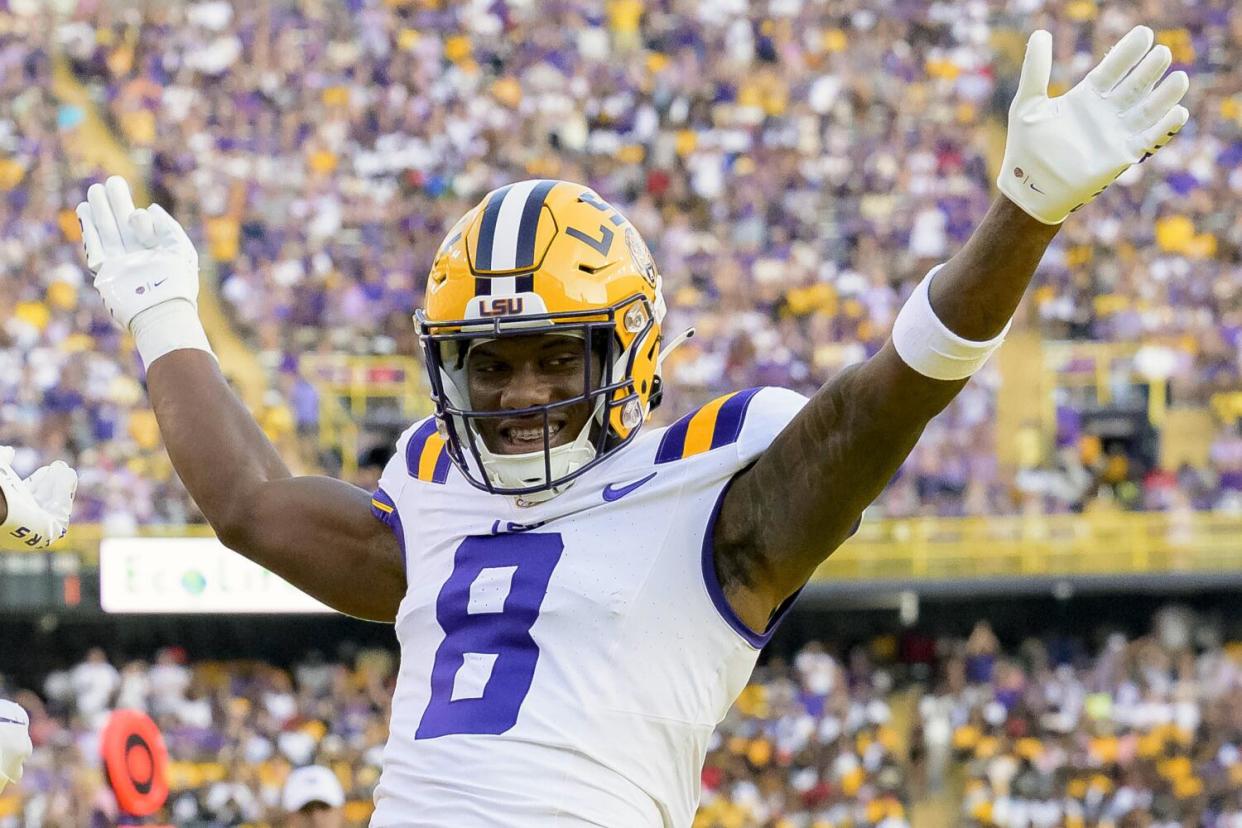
(538, 257)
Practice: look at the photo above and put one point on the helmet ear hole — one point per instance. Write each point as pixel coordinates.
(602, 349)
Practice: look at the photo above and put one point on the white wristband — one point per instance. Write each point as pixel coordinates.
(167, 327)
(925, 344)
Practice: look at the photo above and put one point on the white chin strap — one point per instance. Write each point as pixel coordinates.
(514, 471)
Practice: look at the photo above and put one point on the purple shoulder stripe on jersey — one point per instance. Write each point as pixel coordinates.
(754, 639)
(441, 472)
(725, 431)
(384, 508)
(414, 448)
(732, 415)
(673, 443)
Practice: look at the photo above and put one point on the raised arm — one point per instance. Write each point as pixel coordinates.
(315, 532)
(798, 503)
(787, 513)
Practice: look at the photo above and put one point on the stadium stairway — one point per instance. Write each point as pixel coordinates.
(100, 146)
(1023, 400)
(939, 811)
(931, 810)
(1022, 409)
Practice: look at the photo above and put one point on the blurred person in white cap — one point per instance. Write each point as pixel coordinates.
(15, 746)
(313, 798)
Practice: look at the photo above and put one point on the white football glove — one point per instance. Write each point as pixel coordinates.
(146, 270)
(1062, 152)
(15, 746)
(38, 507)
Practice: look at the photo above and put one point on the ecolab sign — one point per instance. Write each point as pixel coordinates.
(190, 575)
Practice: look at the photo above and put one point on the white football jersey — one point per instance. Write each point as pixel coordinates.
(564, 664)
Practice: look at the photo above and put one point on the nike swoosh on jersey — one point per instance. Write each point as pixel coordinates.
(613, 492)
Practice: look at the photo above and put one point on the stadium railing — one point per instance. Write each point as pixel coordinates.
(359, 392)
(1112, 543)
(933, 548)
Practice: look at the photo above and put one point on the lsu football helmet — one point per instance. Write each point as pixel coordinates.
(543, 257)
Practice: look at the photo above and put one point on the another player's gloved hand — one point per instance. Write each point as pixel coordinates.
(1062, 152)
(38, 507)
(146, 270)
(15, 746)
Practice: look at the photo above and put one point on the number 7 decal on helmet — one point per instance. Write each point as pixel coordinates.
(603, 244)
(484, 667)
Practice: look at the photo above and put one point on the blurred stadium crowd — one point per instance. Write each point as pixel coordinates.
(795, 166)
(233, 732)
(1057, 731)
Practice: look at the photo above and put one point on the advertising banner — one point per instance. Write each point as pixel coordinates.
(190, 575)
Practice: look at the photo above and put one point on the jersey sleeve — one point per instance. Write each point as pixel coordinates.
(392, 483)
(733, 430)
(767, 413)
(721, 439)
(749, 421)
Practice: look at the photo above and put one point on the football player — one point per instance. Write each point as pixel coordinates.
(578, 599)
(34, 514)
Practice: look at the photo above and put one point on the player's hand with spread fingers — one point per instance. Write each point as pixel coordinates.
(35, 510)
(1062, 152)
(146, 270)
(15, 745)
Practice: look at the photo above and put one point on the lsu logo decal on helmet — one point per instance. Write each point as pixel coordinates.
(643, 262)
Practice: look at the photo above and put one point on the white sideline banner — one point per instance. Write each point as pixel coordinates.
(190, 575)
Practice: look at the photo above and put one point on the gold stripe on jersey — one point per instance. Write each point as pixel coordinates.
(428, 459)
(702, 426)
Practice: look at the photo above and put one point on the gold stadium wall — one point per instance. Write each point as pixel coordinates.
(1129, 543)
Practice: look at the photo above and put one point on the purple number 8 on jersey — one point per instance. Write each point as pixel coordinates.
(499, 632)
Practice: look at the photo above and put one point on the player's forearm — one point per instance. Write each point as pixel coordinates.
(299, 528)
(216, 446)
(853, 435)
(836, 456)
(978, 290)
(801, 500)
